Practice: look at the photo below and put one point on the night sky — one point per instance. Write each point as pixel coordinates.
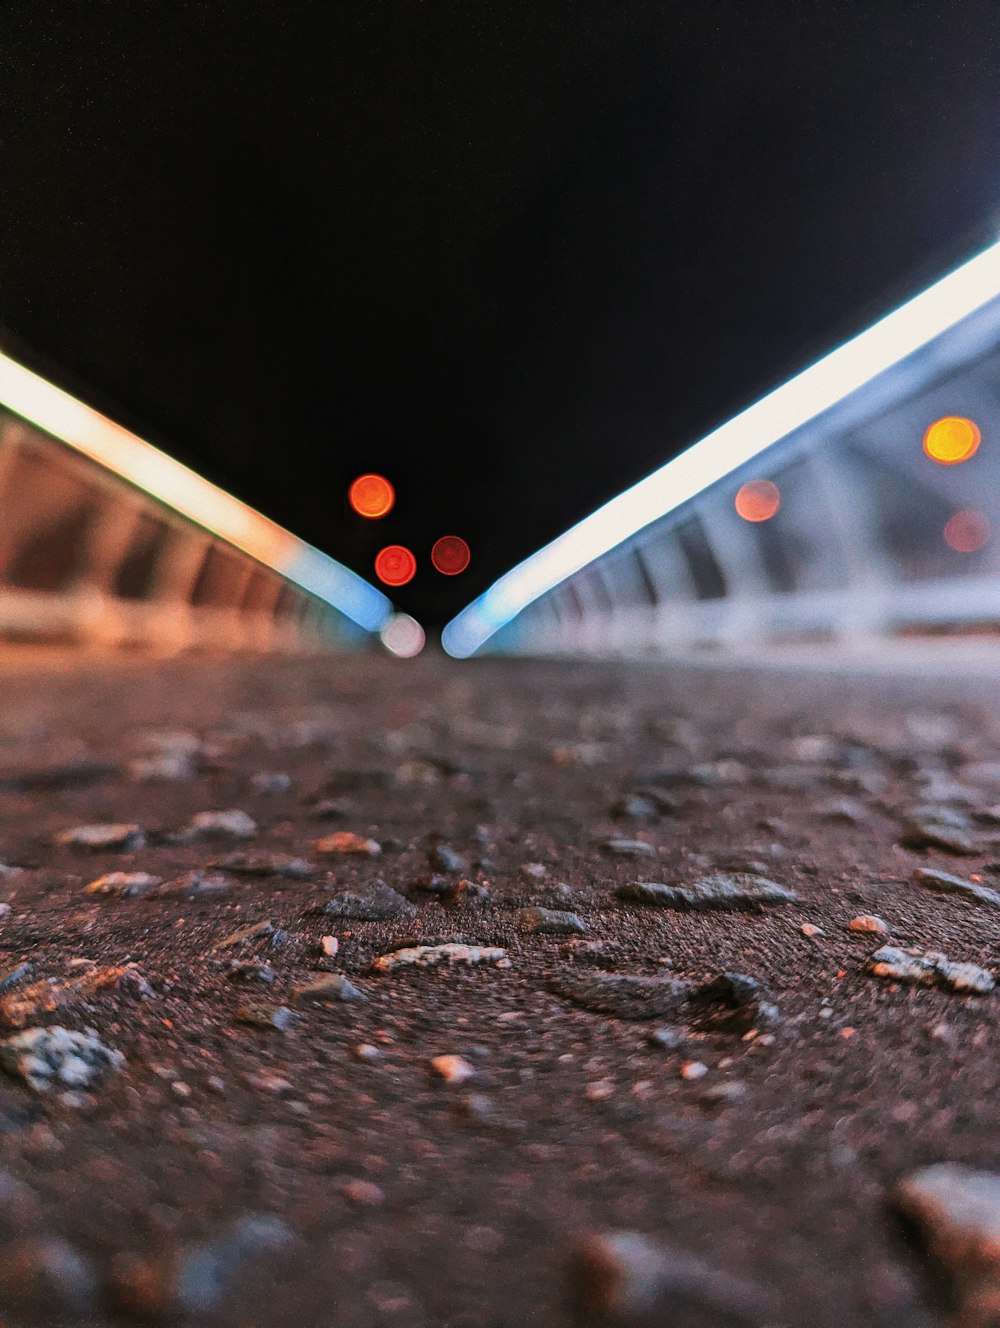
(512, 255)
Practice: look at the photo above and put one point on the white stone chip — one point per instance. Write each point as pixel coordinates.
(233, 822)
(930, 968)
(49, 1057)
(114, 835)
(423, 956)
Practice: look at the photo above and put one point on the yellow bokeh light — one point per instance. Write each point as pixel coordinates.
(758, 500)
(952, 439)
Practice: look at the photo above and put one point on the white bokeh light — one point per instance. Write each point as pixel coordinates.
(403, 636)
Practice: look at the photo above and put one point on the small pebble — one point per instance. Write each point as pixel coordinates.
(329, 945)
(736, 890)
(599, 1090)
(452, 1069)
(810, 929)
(730, 1090)
(667, 1039)
(266, 1081)
(234, 823)
(424, 956)
(251, 933)
(946, 883)
(114, 835)
(363, 1193)
(369, 903)
(551, 922)
(628, 848)
(123, 884)
(869, 922)
(845, 810)
(443, 857)
(344, 843)
(279, 1017)
(248, 970)
(166, 768)
(329, 987)
(634, 807)
(693, 1070)
(196, 885)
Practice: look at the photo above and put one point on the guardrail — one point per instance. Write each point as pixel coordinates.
(870, 529)
(89, 559)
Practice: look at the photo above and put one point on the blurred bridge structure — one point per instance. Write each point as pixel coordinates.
(855, 502)
(106, 541)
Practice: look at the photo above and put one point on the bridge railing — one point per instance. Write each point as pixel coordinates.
(871, 536)
(89, 559)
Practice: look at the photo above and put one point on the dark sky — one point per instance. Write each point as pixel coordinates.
(512, 255)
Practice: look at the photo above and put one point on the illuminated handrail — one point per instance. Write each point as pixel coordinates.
(170, 482)
(803, 399)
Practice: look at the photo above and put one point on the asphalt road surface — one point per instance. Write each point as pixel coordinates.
(253, 1118)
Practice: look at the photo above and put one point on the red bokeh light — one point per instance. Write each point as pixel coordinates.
(967, 531)
(758, 500)
(395, 565)
(450, 555)
(371, 496)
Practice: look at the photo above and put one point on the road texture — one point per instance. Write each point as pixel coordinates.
(653, 1111)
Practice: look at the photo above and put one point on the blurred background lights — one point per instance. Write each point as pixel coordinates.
(395, 565)
(403, 636)
(967, 531)
(758, 500)
(450, 555)
(951, 440)
(371, 496)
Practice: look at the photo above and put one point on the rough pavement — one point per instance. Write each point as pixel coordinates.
(564, 1102)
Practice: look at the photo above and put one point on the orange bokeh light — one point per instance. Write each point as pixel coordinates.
(371, 496)
(395, 565)
(450, 555)
(758, 500)
(952, 439)
(966, 531)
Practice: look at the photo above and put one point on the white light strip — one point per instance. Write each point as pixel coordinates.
(734, 443)
(169, 482)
